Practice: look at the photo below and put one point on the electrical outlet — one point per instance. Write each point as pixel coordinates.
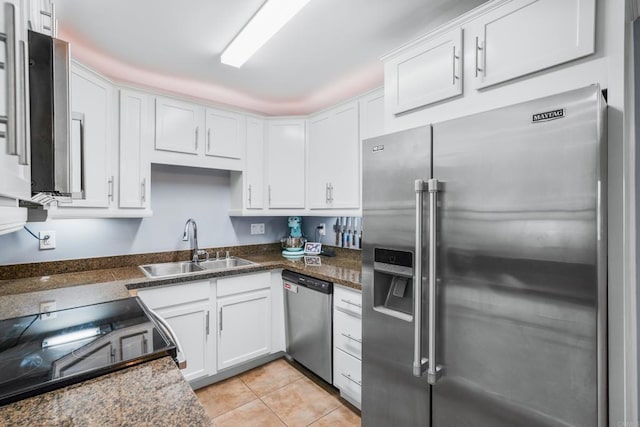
(47, 239)
(322, 229)
(257, 228)
(47, 310)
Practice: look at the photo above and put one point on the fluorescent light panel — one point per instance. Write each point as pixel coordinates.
(271, 17)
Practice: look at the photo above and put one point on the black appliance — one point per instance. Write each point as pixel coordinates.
(43, 352)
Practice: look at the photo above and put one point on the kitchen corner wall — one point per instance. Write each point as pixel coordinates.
(309, 225)
(177, 193)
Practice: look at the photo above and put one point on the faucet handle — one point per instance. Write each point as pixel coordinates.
(228, 255)
(200, 253)
(217, 254)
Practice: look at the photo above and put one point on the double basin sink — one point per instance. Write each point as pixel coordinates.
(170, 269)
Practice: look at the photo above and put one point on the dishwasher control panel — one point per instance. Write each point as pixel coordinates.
(291, 278)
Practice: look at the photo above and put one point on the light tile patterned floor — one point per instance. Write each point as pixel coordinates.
(276, 394)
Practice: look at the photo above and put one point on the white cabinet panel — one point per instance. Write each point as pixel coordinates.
(189, 322)
(188, 309)
(178, 126)
(244, 327)
(333, 159)
(321, 152)
(426, 73)
(225, 133)
(15, 172)
(372, 115)
(136, 136)
(347, 342)
(285, 164)
(254, 169)
(347, 375)
(92, 97)
(525, 36)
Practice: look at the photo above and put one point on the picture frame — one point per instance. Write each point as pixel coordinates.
(312, 248)
(312, 261)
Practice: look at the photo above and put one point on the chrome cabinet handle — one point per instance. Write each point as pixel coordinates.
(269, 195)
(110, 182)
(26, 135)
(351, 338)
(221, 317)
(347, 376)
(346, 301)
(349, 312)
(330, 193)
(480, 52)
(197, 129)
(207, 323)
(326, 192)
(143, 190)
(434, 371)
(209, 140)
(9, 39)
(249, 191)
(455, 69)
(419, 363)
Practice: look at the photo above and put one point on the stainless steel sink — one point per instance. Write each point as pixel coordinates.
(168, 269)
(219, 264)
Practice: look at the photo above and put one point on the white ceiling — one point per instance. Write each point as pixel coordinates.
(328, 52)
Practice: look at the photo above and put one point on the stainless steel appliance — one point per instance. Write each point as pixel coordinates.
(42, 352)
(484, 269)
(308, 304)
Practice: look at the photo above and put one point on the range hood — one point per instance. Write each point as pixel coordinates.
(56, 155)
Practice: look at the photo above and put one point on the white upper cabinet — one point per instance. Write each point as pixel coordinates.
(179, 126)
(334, 159)
(372, 115)
(525, 36)
(225, 133)
(15, 172)
(285, 158)
(254, 169)
(136, 139)
(425, 73)
(41, 16)
(92, 104)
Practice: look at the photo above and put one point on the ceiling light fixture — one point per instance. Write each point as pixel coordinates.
(271, 17)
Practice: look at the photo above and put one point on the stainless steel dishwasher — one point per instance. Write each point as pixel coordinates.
(308, 306)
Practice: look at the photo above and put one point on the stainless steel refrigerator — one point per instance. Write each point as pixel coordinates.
(484, 269)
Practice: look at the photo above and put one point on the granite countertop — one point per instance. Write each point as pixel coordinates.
(150, 394)
(25, 292)
(153, 393)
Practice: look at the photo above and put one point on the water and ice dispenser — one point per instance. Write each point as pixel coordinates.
(393, 283)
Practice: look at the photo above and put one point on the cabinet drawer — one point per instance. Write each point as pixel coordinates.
(346, 301)
(175, 294)
(244, 283)
(347, 333)
(347, 374)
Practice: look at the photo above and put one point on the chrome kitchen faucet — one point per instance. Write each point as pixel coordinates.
(195, 257)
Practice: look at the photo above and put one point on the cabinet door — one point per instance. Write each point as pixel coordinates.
(91, 99)
(254, 168)
(191, 323)
(178, 126)
(225, 134)
(344, 167)
(136, 135)
(525, 36)
(322, 153)
(285, 163)
(244, 327)
(427, 73)
(15, 173)
(372, 115)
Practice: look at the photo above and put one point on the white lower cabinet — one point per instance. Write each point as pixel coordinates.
(187, 308)
(244, 318)
(347, 343)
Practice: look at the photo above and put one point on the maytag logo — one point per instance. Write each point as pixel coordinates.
(378, 148)
(548, 115)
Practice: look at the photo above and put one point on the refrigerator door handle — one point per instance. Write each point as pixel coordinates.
(419, 363)
(434, 371)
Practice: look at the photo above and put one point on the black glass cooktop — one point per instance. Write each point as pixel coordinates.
(39, 353)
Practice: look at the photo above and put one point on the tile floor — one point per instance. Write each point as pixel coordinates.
(276, 394)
